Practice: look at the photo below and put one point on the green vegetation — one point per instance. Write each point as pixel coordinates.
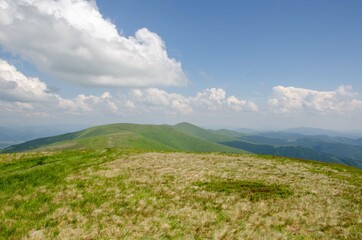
(209, 135)
(254, 191)
(129, 194)
(136, 136)
(24, 183)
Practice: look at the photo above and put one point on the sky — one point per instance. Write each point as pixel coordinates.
(236, 64)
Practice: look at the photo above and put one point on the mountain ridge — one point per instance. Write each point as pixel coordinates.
(127, 135)
(191, 138)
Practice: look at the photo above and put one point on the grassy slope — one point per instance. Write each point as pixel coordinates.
(212, 136)
(137, 136)
(101, 194)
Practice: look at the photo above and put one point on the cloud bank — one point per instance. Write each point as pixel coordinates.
(208, 102)
(27, 96)
(72, 41)
(291, 99)
(28, 99)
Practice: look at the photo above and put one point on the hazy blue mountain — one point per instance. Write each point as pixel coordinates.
(247, 130)
(281, 135)
(294, 152)
(318, 131)
(335, 148)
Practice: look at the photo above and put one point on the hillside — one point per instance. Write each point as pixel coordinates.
(212, 136)
(135, 136)
(190, 138)
(123, 194)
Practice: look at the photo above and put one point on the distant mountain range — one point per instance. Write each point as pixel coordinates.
(191, 138)
(317, 131)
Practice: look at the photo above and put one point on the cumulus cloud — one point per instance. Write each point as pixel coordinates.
(29, 96)
(22, 94)
(215, 99)
(211, 100)
(156, 99)
(72, 41)
(14, 86)
(291, 99)
(240, 105)
(88, 104)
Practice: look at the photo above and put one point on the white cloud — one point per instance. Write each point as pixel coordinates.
(88, 104)
(208, 101)
(14, 86)
(240, 105)
(215, 99)
(154, 99)
(72, 41)
(28, 96)
(291, 99)
(210, 96)
(22, 94)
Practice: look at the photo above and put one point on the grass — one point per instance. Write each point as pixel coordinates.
(252, 190)
(212, 136)
(128, 194)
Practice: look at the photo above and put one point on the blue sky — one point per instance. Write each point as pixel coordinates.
(256, 64)
(251, 44)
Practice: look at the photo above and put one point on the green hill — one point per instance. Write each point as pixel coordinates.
(123, 135)
(210, 135)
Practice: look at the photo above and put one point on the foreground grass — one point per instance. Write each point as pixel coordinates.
(111, 194)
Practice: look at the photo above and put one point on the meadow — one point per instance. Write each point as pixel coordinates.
(129, 194)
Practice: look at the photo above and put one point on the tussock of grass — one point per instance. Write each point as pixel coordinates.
(254, 191)
(114, 194)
